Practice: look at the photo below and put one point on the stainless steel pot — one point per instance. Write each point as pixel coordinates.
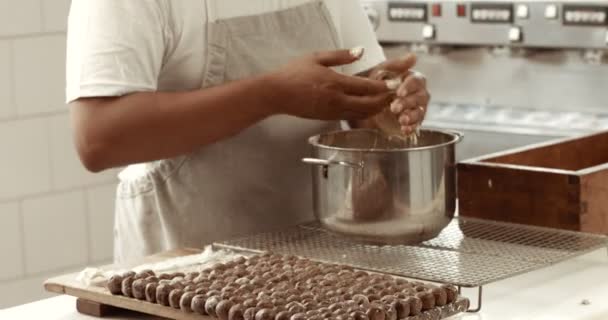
(382, 190)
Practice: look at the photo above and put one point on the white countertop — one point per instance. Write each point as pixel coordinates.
(553, 293)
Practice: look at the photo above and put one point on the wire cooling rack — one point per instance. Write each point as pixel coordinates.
(468, 252)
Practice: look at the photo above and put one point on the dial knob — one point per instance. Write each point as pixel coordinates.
(373, 15)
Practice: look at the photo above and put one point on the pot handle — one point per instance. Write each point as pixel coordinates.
(323, 162)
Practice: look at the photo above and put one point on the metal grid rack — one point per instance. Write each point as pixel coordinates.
(468, 253)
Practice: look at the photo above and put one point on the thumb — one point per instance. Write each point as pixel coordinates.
(400, 65)
(338, 57)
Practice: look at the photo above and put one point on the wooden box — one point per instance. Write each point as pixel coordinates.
(561, 184)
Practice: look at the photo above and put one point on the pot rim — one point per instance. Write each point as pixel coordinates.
(457, 137)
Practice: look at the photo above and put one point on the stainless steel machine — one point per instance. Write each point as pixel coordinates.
(505, 73)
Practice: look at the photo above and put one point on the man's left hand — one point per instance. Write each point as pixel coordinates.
(412, 97)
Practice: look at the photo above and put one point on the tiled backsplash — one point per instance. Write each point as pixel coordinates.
(36, 65)
(55, 216)
(6, 107)
(23, 17)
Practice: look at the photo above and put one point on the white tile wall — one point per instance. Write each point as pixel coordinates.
(19, 17)
(25, 165)
(100, 202)
(68, 171)
(22, 291)
(39, 74)
(55, 232)
(55, 13)
(6, 107)
(53, 214)
(10, 241)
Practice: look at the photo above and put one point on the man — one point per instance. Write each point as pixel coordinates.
(210, 102)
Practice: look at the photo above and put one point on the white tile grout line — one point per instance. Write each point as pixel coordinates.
(33, 35)
(22, 238)
(51, 273)
(17, 117)
(112, 182)
(24, 275)
(42, 16)
(12, 79)
(50, 113)
(87, 225)
(49, 149)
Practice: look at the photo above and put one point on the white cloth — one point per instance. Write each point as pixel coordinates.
(117, 47)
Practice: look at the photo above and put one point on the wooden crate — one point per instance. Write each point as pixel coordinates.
(561, 184)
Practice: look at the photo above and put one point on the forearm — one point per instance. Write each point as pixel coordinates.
(149, 126)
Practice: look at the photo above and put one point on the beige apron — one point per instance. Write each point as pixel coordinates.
(250, 183)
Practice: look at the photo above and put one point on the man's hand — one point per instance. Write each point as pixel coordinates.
(309, 88)
(412, 97)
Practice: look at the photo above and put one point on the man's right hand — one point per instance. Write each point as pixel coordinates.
(309, 88)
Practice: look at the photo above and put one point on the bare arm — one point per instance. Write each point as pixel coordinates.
(140, 127)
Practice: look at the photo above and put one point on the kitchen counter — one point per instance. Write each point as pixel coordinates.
(553, 293)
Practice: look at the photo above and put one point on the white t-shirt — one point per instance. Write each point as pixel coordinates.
(116, 47)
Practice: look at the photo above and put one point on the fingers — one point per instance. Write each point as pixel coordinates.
(360, 86)
(361, 107)
(401, 65)
(414, 82)
(412, 117)
(411, 103)
(407, 130)
(338, 57)
(420, 98)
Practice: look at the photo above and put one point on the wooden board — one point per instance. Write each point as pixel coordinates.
(561, 184)
(95, 309)
(96, 300)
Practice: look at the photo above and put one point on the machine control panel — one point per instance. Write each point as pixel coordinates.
(585, 15)
(406, 11)
(492, 13)
(529, 23)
